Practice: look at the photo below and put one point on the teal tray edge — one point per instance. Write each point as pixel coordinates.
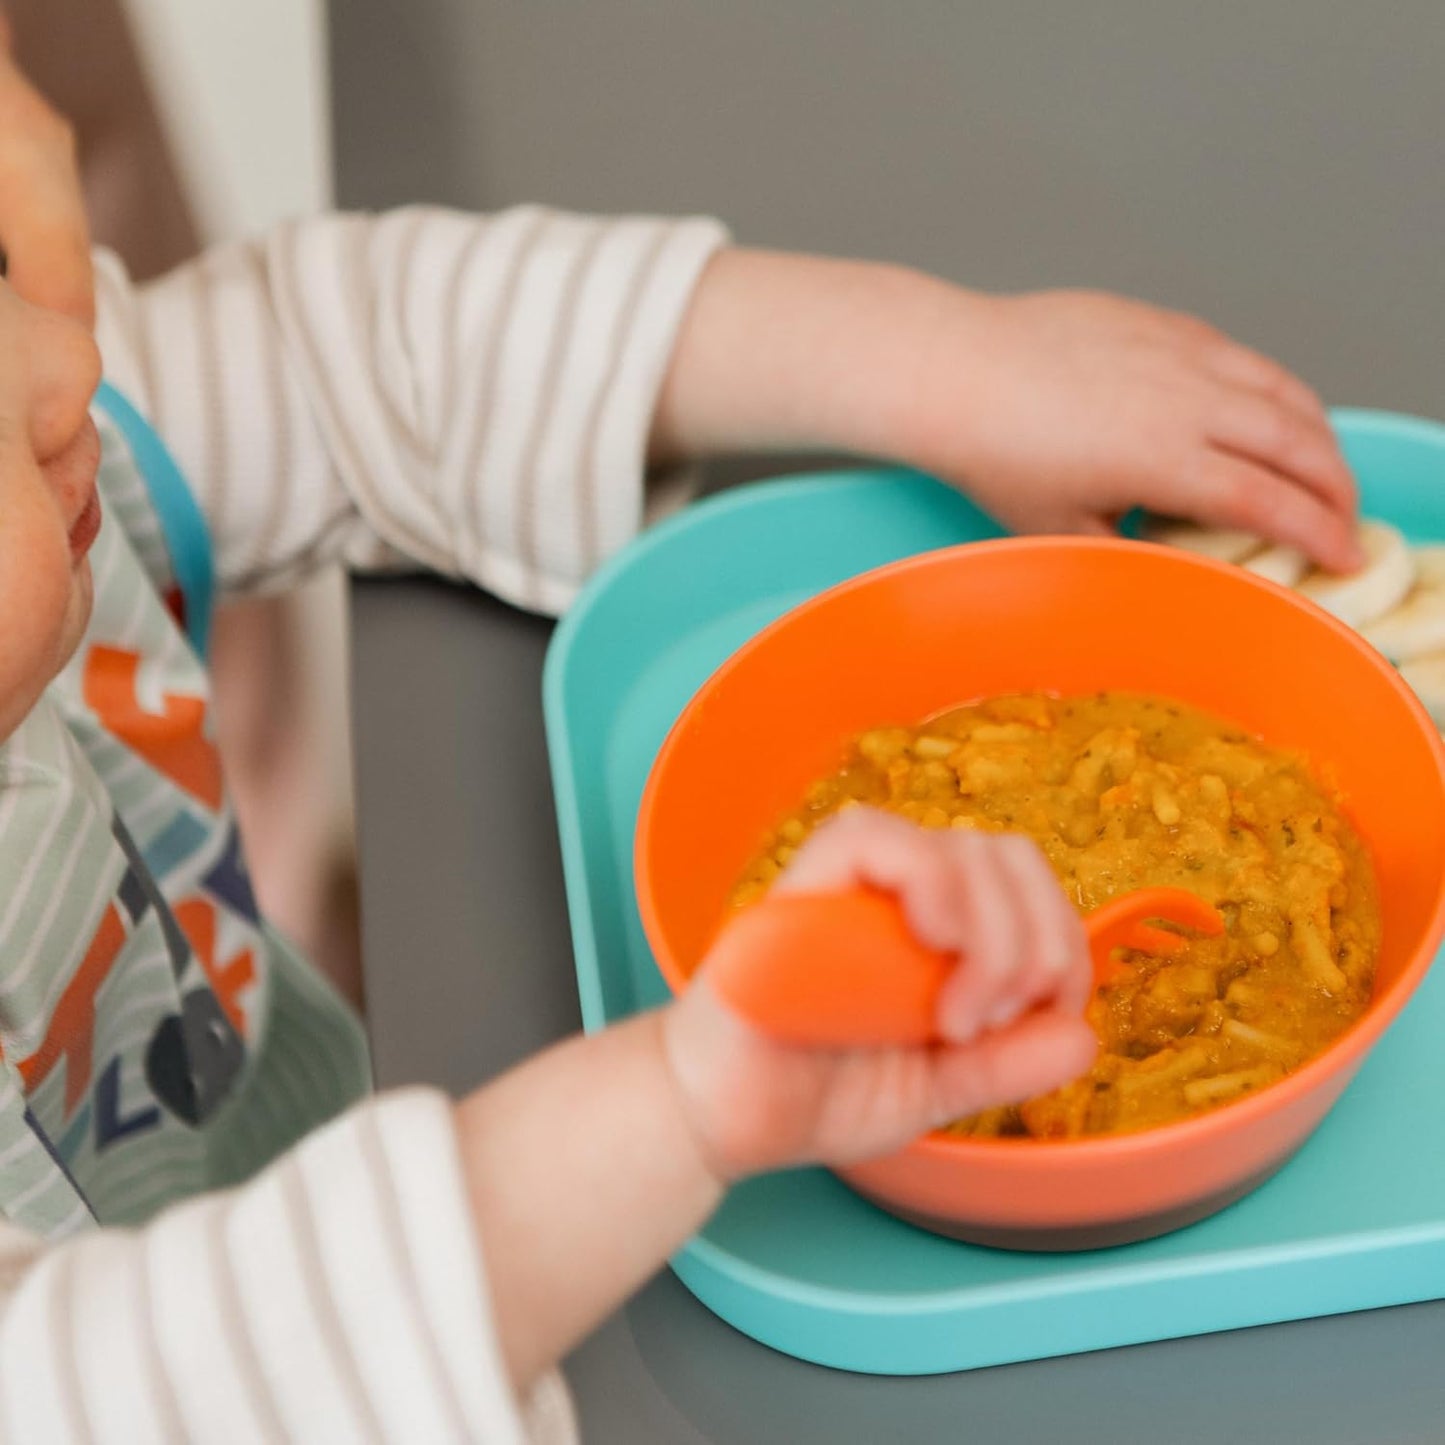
(1392, 1269)
(915, 1333)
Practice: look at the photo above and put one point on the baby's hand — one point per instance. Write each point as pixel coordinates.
(1011, 1012)
(1059, 411)
(1064, 410)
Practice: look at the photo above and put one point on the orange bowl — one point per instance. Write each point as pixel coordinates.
(1066, 616)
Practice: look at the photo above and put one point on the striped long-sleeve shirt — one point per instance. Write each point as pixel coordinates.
(423, 389)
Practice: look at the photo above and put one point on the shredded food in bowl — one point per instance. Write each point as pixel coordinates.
(1122, 792)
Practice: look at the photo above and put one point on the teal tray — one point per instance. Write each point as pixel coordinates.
(1355, 1221)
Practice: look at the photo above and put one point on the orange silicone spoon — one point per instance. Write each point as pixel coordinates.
(842, 970)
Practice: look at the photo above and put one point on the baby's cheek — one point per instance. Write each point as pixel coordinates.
(44, 602)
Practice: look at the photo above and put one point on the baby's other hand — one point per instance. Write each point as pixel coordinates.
(1075, 407)
(1011, 1012)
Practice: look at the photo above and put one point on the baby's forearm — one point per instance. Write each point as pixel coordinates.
(781, 352)
(1056, 411)
(584, 1178)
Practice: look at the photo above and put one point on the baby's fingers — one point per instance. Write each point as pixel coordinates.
(1025, 944)
(991, 900)
(1039, 1053)
(1234, 492)
(1297, 446)
(880, 850)
(1240, 366)
(979, 994)
(1058, 967)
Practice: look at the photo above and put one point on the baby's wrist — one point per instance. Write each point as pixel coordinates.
(727, 1109)
(927, 378)
(781, 352)
(677, 1087)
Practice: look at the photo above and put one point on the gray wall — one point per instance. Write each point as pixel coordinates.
(1275, 166)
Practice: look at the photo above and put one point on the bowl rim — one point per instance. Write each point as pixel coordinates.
(1352, 1045)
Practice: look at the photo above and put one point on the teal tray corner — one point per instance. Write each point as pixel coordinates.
(796, 1260)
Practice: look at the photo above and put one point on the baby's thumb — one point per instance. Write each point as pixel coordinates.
(1037, 1054)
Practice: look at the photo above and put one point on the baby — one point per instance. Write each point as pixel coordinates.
(191, 1251)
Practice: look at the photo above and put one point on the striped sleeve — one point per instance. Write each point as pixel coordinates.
(470, 394)
(338, 1297)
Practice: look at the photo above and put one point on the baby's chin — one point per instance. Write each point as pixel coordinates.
(43, 649)
(77, 612)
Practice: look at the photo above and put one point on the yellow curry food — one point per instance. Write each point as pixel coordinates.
(1123, 792)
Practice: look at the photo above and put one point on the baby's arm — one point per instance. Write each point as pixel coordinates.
(482, 395)
(412, 1270)
(592, 1163)
(1057, 411)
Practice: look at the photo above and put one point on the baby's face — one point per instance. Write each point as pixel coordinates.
(49, 511)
